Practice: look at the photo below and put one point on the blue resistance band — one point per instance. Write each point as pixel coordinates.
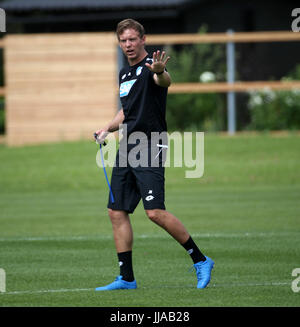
(103, 165)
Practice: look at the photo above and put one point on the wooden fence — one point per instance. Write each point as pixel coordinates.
(59, 86)
(64, 86)
(239, 37)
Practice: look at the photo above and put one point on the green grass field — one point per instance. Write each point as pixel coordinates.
(56, 243)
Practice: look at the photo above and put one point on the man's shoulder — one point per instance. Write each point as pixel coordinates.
(123, 70)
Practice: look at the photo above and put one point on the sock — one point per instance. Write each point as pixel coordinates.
(193, 250)
(125, 263)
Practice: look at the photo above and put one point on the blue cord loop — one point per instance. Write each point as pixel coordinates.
(105, 174)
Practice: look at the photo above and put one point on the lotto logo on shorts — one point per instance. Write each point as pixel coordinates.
(149, 197)
(125, 87)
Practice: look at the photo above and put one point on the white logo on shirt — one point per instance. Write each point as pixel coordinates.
(125, 87)
(138, 70)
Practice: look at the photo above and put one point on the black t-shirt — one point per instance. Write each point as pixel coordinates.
(143, 102)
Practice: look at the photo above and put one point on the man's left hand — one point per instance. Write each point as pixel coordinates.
(159, 62)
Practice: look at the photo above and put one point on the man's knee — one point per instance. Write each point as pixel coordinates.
(111, 213)
(155, 215)
(117, 215)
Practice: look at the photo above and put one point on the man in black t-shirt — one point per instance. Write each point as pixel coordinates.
(143, 92)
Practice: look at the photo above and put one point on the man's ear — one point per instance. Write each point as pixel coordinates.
(144, 39)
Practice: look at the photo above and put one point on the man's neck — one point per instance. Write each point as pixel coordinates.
(139, 59)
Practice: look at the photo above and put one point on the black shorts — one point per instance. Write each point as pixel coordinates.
(129, 185)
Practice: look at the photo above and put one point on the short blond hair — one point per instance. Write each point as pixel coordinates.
(130, 23)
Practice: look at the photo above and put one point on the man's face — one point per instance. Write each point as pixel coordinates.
(132, 44)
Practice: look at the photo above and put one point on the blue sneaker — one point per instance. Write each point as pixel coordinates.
(118, 284)
(203, 272)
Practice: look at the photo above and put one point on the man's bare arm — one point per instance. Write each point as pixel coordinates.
(111, 127)
(163, 80)
(161, 76)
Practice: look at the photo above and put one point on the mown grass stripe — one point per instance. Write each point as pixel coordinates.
(63, 290)
(148, 236)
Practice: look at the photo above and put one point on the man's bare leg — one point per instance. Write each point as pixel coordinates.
(176, 229)
(170, 223)
(123, 237)
(203, 265)
(122, 230)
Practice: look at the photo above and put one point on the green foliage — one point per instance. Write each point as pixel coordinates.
(195, 111)
(280, 110)
(196, 63)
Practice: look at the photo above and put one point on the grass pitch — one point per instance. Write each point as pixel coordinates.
(56, 241)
